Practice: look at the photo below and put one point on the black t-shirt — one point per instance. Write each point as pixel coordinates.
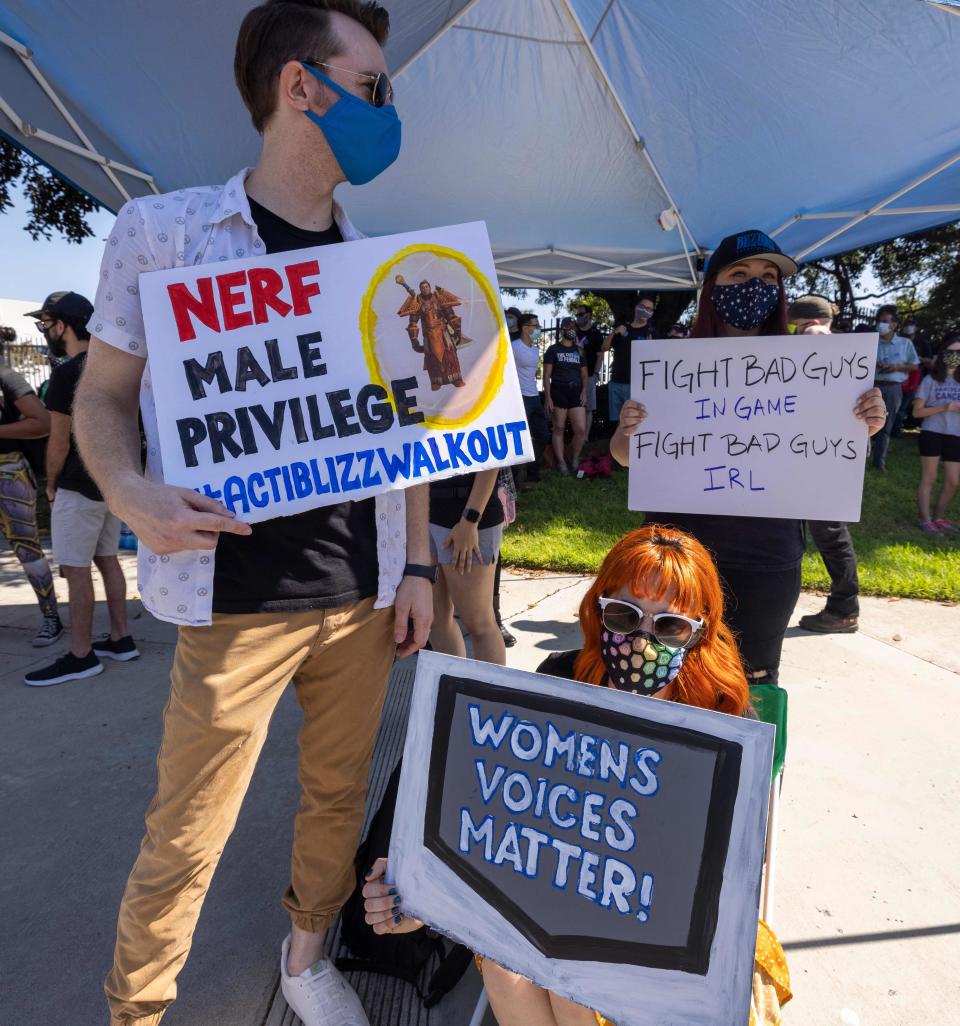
(742, 543)
(591, 341)
(448, 500)
(567, 361)
(320, 559)
(59, 399)
(622, 347)
(13, 386)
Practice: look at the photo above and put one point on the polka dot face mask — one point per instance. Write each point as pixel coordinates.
(746, 304)
(638, 662)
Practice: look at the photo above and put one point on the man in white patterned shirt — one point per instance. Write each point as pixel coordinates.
(323, 598)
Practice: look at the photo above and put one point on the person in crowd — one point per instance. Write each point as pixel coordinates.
(466, 528)
(621, 340)
(908, 389)
(840, 615)
(656, 600)
(526, 356)
(896, 357)
(512, 318)
(937, 407)
(23, 417)
(758, 557)
(590, 340)
(507, 492)
(326, 598)
(84, 531)
(678, 331)
(565, 387)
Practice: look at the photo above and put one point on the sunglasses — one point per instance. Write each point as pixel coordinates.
(382, 90)
(672, 629)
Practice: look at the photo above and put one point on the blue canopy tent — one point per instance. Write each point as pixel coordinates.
(606, 143)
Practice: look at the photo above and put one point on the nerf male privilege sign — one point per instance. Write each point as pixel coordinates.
(301, 379)
(561, 827)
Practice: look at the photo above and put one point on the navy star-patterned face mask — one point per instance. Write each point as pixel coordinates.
(746, 304)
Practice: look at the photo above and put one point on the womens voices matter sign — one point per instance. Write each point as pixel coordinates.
(305, 378)
(605, 845)
(752, 426)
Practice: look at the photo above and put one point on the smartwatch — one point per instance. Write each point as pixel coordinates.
(471, 515)
(430, 573)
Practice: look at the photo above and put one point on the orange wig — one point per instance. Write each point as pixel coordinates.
(650, 562)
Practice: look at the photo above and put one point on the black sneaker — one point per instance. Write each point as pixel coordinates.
(50, 630)
(122, 650)
(509, 639)
(67, 667)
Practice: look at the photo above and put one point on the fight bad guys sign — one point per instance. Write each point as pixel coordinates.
(751, 426)
(606, 846)
(302, 379)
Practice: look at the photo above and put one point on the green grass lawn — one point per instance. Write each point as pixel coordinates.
(568, 525)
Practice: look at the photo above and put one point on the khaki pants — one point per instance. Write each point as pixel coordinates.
(225, 684)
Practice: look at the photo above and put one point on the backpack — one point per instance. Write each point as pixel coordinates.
(407, 956)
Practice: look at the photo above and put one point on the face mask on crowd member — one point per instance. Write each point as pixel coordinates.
(744, 273)
(53, 332)
(567, 330)
(363, 136)
(584, 318)
(951, 359)
(886, 324)
(747, 304)
(910, 330)
(643, 311)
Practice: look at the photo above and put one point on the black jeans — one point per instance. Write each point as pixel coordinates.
(835, 545)
(758, 606)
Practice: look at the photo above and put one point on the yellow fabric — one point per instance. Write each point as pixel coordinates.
(771, 981)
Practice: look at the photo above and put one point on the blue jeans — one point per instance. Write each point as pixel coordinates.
(617, 395)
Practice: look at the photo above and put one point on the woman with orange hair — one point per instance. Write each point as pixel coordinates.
(652, 625)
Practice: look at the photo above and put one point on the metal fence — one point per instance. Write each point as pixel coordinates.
(31, 359)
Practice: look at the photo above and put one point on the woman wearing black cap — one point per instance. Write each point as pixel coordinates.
(758, 557)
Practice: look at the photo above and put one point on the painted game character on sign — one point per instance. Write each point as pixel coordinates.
(433, 310)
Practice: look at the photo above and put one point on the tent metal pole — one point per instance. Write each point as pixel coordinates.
(88, 150)
(833, 215)
(660, 277)
(525, 256)
(853, 222)
(442, 31)
(602, 71)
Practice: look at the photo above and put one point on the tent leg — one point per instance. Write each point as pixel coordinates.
(770, 861)
(481, 1010)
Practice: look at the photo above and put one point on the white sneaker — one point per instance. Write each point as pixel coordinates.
(320, 996)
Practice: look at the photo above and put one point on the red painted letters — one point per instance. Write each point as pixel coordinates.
(240, 298)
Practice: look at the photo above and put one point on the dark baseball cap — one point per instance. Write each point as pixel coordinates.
(65, 304)
(747, 244)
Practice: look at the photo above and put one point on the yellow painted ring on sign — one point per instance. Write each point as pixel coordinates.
(368, 324)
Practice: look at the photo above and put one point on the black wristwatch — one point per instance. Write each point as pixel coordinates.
(471, 515)
(430, 573)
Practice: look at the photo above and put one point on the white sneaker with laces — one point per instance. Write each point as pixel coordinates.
(320, 996)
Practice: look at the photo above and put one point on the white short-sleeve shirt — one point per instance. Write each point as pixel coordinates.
(198, 226)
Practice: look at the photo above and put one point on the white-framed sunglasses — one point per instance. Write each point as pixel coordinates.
(672, 629)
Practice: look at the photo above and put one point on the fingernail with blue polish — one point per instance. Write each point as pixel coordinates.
(397, 900)
(398, 920)
(392, 890)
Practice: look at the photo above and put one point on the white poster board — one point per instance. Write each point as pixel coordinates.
(606, 846)
(754, 427)
(306, 378)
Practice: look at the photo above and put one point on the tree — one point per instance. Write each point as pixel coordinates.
(920, 272)
(54, 205)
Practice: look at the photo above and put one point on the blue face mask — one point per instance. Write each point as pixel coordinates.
(364, 139)
(747, 304)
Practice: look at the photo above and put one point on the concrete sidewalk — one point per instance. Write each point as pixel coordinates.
(868, 902)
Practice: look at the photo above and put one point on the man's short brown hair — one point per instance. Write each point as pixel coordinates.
(278, 31)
